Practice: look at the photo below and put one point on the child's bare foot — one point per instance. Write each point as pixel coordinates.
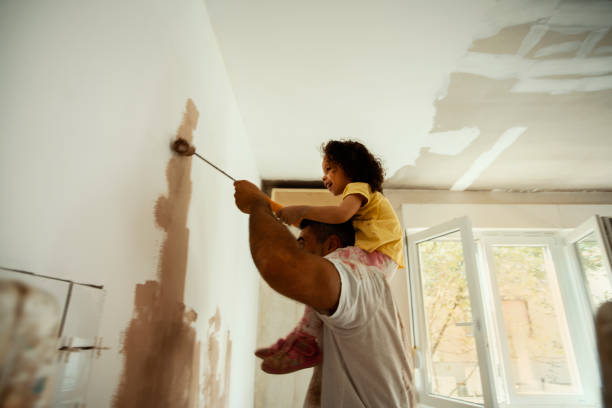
(298, 352)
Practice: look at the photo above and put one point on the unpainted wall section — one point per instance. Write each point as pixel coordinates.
(93, 93)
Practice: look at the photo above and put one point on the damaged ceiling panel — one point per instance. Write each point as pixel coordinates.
(541, 96)
(508, 95)
(566, 144)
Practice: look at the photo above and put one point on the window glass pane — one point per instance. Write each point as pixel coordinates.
(452, 360)
(596, 276)
(536, 330)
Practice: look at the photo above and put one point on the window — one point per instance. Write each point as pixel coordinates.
(591, 244)
(499, 316)
(454, 367)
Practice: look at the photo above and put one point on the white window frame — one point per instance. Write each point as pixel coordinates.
(463, 226)
(576, 336)
(494, 367)
(595, 225)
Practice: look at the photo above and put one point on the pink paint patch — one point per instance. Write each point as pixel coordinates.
(360, 261)
(356, 254)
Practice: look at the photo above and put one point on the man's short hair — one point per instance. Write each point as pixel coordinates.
(322, 231)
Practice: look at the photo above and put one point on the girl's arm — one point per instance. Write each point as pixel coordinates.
(286, 267)
(329, 214)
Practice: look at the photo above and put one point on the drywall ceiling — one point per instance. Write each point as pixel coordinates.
(477, 94)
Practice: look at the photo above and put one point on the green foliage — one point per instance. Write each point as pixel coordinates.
(589, 254)
(528, 304)
(522, 275)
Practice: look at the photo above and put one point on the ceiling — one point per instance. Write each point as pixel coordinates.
(470, 95)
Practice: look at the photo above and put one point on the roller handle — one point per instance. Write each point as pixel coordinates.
(184, 148)
(274, 206)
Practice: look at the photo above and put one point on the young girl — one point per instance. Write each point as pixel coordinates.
(350, 170)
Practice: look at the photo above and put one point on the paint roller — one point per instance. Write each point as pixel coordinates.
(184, 148)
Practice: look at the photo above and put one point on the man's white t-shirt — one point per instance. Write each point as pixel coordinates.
(365, 362)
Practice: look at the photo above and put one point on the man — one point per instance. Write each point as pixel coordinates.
(364, 353)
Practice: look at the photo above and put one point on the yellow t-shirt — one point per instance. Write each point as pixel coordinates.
(376, 225)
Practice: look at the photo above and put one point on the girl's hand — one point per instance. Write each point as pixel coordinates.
(292, 214)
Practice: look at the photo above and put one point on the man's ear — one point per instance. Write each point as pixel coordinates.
(331, 244)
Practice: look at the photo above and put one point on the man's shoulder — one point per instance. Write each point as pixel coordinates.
(355, 259)
(348, 253)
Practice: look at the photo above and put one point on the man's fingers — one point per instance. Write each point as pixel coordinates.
(241, 196)
(246, 195)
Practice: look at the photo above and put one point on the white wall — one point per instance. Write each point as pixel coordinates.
(92, 94)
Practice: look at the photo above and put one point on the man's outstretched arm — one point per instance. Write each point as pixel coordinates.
(287, 268)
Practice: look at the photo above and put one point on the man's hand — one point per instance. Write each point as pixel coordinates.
(292, 214)
(247, 195)
(291, 271)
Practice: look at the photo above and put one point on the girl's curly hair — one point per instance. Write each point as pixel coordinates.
(358, 163)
